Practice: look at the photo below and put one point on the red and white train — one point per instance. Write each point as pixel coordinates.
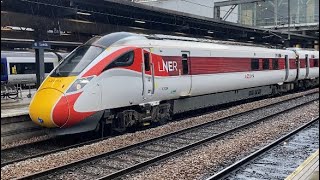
(124, 79)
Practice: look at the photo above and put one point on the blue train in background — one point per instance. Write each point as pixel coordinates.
(19, 67)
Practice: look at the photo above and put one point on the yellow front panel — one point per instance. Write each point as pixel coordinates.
(47, 96)
(58, 83)
(41, 107)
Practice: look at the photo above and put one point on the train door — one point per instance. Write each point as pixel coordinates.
(186, 71)
(286, 65)
(147, 69)
(4, 70)
(307, 61)
(297, 62)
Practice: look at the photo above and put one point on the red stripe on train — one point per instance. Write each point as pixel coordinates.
(98, 68)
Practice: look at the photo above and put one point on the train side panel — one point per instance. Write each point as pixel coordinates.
(21, 67)
(138, 80)
(15, 73)
(4, 70)
(313, 64)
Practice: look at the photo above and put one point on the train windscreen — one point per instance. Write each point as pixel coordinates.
(107, 40)
(77, 61)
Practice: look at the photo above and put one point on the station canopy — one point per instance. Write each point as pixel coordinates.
(68, 23)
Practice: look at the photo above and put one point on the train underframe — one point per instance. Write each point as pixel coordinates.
(120, 119)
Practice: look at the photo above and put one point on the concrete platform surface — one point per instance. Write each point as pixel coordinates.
(308, 170)
(16, 107)
(22, 99)
(6, 113)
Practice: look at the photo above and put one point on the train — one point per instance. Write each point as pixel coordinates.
(19, 67)
(123, 80)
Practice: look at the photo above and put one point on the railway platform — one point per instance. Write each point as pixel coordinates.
(15, 121)
(16, 107)
(308, 170)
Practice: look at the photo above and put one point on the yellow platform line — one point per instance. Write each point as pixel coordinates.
(303, 165)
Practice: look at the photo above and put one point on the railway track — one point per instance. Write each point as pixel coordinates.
(126, 160)
(18, 127)
(45, 147)
(41, 148)
(249, 159)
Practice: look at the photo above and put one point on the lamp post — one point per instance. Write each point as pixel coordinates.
(289, 19)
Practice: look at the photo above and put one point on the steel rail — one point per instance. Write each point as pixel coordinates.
(31, 145)
(261, 151)
(16, 148)
(188, 147)
(158, 158)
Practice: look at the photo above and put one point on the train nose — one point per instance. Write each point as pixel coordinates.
(49, 108)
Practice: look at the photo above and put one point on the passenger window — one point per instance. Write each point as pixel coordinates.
(124, 60)
(265, 64)
(22, 68)
(147, 61)
(286, 64)
(306, 60)
(302, 64)
(48, 67)
(275, 64)
(254, 64)
(185, 64)
(316, 62)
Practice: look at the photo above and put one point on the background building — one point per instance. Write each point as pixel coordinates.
(195, 7)
(269, 14)
(275, 13)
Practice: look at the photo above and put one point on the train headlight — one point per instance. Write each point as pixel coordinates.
(79, 84)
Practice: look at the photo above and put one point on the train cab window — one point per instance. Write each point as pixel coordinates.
(147, 61)
(316, 62)
(185, 64)
(124, 60)
(77, 61)
(265, 64)
(254, 64)
(275, 64)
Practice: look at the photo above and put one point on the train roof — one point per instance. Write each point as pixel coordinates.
(5, 54)
(109, 39)
(144, 40)
(205, 44)
(302, 49)
(122, 38)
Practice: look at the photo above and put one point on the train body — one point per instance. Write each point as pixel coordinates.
(125, 79)
(19, 67)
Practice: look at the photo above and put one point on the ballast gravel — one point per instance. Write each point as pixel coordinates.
(34, 165)
(26, 141)
(213, 156)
